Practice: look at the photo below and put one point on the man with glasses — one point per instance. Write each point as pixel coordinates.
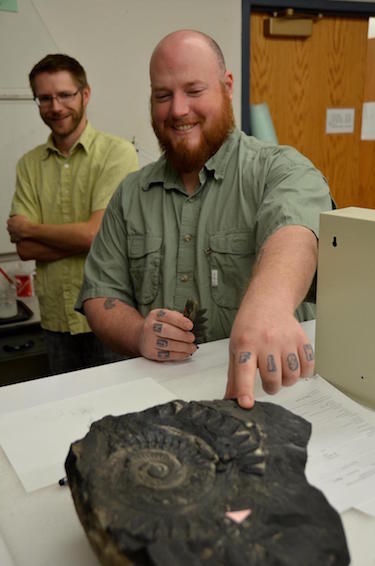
(62, 190)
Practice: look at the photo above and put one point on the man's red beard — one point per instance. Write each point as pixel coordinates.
(185, 159)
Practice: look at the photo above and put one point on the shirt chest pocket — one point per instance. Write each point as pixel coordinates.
(144, 254)
(231, 260)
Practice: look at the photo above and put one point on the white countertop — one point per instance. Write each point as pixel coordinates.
(41, 528)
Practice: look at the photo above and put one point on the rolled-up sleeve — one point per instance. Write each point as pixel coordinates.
(118, 160)
(295, 193)
(106, 271)
(25, 200)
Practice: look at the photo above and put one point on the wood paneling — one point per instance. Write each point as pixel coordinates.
(367, 148)
(299, 79)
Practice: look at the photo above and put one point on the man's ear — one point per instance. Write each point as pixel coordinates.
(86, 93)
(228, 82)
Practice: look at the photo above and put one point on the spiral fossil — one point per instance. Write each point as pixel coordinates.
(156, 487)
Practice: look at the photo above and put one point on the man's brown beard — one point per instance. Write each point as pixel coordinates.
(186, 160)
(76, 119)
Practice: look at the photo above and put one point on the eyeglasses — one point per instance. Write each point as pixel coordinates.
(46, 100)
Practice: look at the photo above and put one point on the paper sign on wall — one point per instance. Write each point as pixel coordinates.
(340, 121)
(368, 121)
(8, 5)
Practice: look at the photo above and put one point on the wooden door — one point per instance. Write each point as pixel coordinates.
(300, 78)
(366, 147)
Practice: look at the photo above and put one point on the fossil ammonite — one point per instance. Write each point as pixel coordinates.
(202, 483)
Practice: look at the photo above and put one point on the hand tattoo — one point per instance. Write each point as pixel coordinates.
(157, 327)
(309, 352)
(244, 357)
(162, 342)
(109, 303)
(161, 313)
(163, 355)
(293, 363)
(271, 365)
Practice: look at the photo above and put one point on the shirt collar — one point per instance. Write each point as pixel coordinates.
(219, 161)
(85, 140)
(162, 173)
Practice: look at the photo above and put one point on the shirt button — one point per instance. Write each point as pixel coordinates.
(188, 237)
(66, 165)
(184, 278)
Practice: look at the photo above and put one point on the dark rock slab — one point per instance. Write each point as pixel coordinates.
(154, 488)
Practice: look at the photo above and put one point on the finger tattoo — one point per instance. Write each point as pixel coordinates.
(109, 303)
(271, 365)
(163, 355)
(309, 352)
(244, 357)
(292, 362)
(157, 327)
(162, 342)
(161, 313)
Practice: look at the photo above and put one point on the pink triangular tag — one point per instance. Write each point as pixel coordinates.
(238, 516)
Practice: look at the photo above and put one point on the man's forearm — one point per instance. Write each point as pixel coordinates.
(285, 267)
(74, 237)
(265, 333)
(29, 249)
(117, 324)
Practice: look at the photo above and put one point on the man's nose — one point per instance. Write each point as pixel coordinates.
(55, 104)
(180, 106)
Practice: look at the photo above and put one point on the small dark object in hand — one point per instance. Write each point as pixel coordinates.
(197, 316)
(159, 488)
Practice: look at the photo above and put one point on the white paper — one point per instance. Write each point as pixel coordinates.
(207, 384)
(341, 450)
(340, 121)
(371, 28)
(368, 121)
(37, 440)
(367, 507)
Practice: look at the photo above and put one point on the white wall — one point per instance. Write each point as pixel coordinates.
(113, 39)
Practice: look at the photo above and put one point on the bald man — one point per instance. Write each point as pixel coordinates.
(221, 217)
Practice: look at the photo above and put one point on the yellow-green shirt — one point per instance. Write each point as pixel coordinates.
(55, 189)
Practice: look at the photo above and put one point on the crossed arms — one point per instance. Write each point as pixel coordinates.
(50, 242)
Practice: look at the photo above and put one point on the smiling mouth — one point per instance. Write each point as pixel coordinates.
(183, 127)
(59, 118)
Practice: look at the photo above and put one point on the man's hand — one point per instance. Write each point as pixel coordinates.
(162, 335)
(166, 335)
(18, 227)
(276, 344)
(265, 333)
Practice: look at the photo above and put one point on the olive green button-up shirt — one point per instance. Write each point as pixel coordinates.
(158, 246)
(55, 189)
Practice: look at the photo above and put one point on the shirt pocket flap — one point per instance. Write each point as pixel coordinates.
(236, 243)
(140, 246)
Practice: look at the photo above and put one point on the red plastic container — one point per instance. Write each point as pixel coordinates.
(24, 285)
